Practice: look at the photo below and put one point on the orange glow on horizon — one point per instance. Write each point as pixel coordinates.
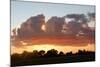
(46, 47)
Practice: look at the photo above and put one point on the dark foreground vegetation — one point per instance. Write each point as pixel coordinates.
(50, 57)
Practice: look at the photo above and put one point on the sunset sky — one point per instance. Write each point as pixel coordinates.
(46, 47)
(21, 11)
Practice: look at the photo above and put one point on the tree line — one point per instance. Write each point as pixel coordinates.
(51, 56)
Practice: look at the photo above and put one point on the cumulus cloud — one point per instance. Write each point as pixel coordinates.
(54, 25)
(32, 26)
(77, 17)
(91, 21)
(75, 24)
(91, 16)
(80, 23)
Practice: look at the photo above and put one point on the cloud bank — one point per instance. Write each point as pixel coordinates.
(55, 27)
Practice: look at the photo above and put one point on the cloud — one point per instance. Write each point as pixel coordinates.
(77, 17)
(74, 27)
(80, 23)
(91, 21)
(91, 16)
(74, 24)
(54, 25)
(32, 26)
(57, 41)
(31, 33)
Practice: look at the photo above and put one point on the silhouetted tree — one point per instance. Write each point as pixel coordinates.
(35, 53)
(52, 53)
(69, 53)
(24, 55)
(61, 53)
(15, 57)
(80, 51)
(41, 53)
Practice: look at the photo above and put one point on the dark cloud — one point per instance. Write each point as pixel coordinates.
(91, 20)
(88, 32)
(80, 24)
(77, 17)
(14, 32)
(91, 16)
(54, 25)
(74, 27)
(32, 26)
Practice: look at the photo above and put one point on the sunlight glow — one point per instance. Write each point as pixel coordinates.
(46, 47)
(43, 27)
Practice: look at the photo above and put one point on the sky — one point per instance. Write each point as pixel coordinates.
(21, 10)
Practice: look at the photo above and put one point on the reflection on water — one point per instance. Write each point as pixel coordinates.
(46, 47)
